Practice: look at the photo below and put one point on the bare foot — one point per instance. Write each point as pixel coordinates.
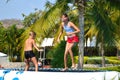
(73, 67)
(64, 69)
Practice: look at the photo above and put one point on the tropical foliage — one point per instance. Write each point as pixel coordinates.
(31, 18)
(96, 13)
(104, 27)
(9, 40)
(100, 17)
(47, 23)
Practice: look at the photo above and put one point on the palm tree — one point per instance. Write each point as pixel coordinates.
(104, 27)
(50, 17)
(31, 18)
(10, 40)
(46, 23)
(81, 6)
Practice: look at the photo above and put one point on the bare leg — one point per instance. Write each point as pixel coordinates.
(71, 54)
(35, 63)
(65, 55)
(27, 65)
(65, 59)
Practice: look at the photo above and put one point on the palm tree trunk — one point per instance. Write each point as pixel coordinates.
(81, 39)
(102, 52)
(99, 49)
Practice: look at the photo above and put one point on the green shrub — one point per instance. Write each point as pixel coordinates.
(113, 68)
(98, 60)
(85, 59)
(91, 60)
(113, 62)
(76, 59)
(112, 58)
(94, 61)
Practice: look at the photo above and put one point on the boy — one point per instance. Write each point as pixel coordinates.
(28, 49)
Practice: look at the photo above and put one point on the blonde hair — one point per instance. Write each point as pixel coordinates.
(32, 33)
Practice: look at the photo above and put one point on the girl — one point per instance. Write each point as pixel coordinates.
(71, 30)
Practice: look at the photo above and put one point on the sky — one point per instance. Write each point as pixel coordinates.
(14, 8)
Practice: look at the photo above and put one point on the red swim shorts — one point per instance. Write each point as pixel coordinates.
(73, 39)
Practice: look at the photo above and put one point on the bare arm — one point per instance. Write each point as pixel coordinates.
(35, 46)
(77, 30)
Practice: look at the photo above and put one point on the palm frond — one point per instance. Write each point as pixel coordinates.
(104, 25)
(45, 24)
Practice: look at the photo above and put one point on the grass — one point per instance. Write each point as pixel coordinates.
(113, 60)
(98, 60)
(113, 68)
